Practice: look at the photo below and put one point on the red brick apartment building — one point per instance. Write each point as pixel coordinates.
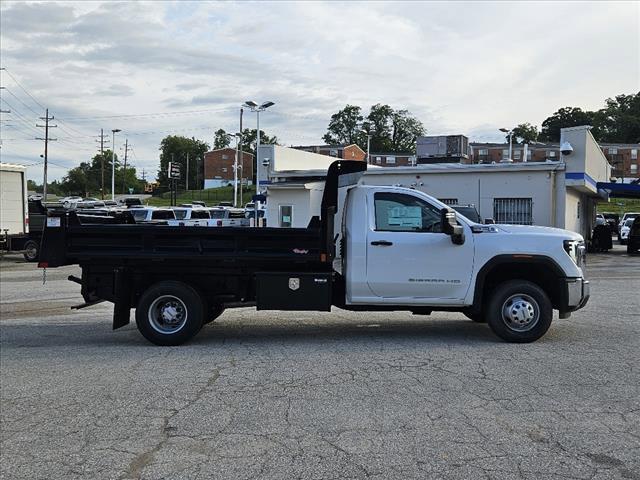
(218, 167)
(623, 157)
(346, 152)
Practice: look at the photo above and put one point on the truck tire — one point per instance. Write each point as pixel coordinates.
(31, 251)
(214, 313)
(519, 311)
(170, 313)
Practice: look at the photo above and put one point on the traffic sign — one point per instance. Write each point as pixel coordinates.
(174, 170)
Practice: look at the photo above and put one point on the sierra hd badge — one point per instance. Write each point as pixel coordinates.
(294, 283)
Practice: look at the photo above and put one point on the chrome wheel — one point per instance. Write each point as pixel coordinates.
(520, 312)
(167, 314)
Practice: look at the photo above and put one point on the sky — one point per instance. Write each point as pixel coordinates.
(154, 69)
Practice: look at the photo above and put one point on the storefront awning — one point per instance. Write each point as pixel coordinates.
(619, 190)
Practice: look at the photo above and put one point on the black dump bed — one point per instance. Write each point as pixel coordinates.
(70, 239)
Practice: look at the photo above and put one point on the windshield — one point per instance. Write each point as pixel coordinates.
(139, 215)
(163, 215)
(199, 214)
(218, 213)
(180, 214)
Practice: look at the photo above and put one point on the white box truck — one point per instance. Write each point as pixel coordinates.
(14, 207)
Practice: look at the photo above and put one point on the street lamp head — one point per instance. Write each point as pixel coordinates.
(250, 103)
(116, 130)
(505, 130)
(266, 105)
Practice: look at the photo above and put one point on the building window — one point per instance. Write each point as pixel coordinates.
(505, 153)
(286, 216)
(634, 169)
(634, 154)
(225, 157)
(483, 151)
(483, 155)
(517, 154)
(224, 169)
(378, 160)
(515, 211)
(449, 201)
(552, 153)
(529, 152)
(333, 153)
(391, 160)
(613, 151)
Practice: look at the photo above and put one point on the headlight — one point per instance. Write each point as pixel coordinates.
(577, 251)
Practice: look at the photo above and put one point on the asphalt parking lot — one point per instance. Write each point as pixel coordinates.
(327, 396)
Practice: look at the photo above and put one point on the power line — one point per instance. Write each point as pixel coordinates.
(21, 87)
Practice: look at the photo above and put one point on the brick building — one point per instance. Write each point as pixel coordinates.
(623, 157)
(218, 167)
(393, 159)
(346, 152)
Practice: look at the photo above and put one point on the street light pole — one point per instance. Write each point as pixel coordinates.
(113, 163)
(510, 133)
(255, 108)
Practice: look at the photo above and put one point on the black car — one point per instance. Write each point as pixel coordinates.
(633, 240)
(468, 211)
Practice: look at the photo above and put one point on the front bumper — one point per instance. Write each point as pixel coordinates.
(578, 292)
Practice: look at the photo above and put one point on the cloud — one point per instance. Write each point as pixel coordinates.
(460, 67)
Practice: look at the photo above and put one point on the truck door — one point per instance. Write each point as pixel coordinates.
(408, 256)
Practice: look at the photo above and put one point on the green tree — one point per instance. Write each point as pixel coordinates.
(221, 139)
(32, 186)
(405, 132)
(619, 121)
(179, 148)
(393, 131)
(345, 127)
(524, 133)
(563, 118)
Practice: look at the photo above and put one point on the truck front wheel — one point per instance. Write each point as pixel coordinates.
(170, 313)
(519, 311)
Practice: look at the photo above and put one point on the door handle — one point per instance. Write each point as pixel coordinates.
(382, 243)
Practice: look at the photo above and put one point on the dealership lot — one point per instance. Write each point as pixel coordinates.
(311, 395)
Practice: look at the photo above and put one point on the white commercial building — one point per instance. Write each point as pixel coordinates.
(559, 194)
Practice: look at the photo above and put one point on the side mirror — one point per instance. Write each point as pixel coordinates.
(489, 221)
(451, 227)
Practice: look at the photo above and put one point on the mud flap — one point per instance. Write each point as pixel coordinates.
(121, 297)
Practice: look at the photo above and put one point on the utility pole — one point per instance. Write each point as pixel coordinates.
(187, 180)
(124, 171)
(240, 154)
(46, 139)
(102, 142)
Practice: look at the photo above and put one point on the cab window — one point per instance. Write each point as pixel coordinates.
(398, 212)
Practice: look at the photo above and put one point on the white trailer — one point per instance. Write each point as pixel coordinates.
(14, 208)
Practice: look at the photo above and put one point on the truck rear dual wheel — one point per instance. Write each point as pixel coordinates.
(31, 251)
(170, 313)
(519, 311)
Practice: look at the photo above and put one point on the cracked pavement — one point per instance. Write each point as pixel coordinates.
(287, 395)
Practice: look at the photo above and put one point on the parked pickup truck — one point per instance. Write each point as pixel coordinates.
(372, 248)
